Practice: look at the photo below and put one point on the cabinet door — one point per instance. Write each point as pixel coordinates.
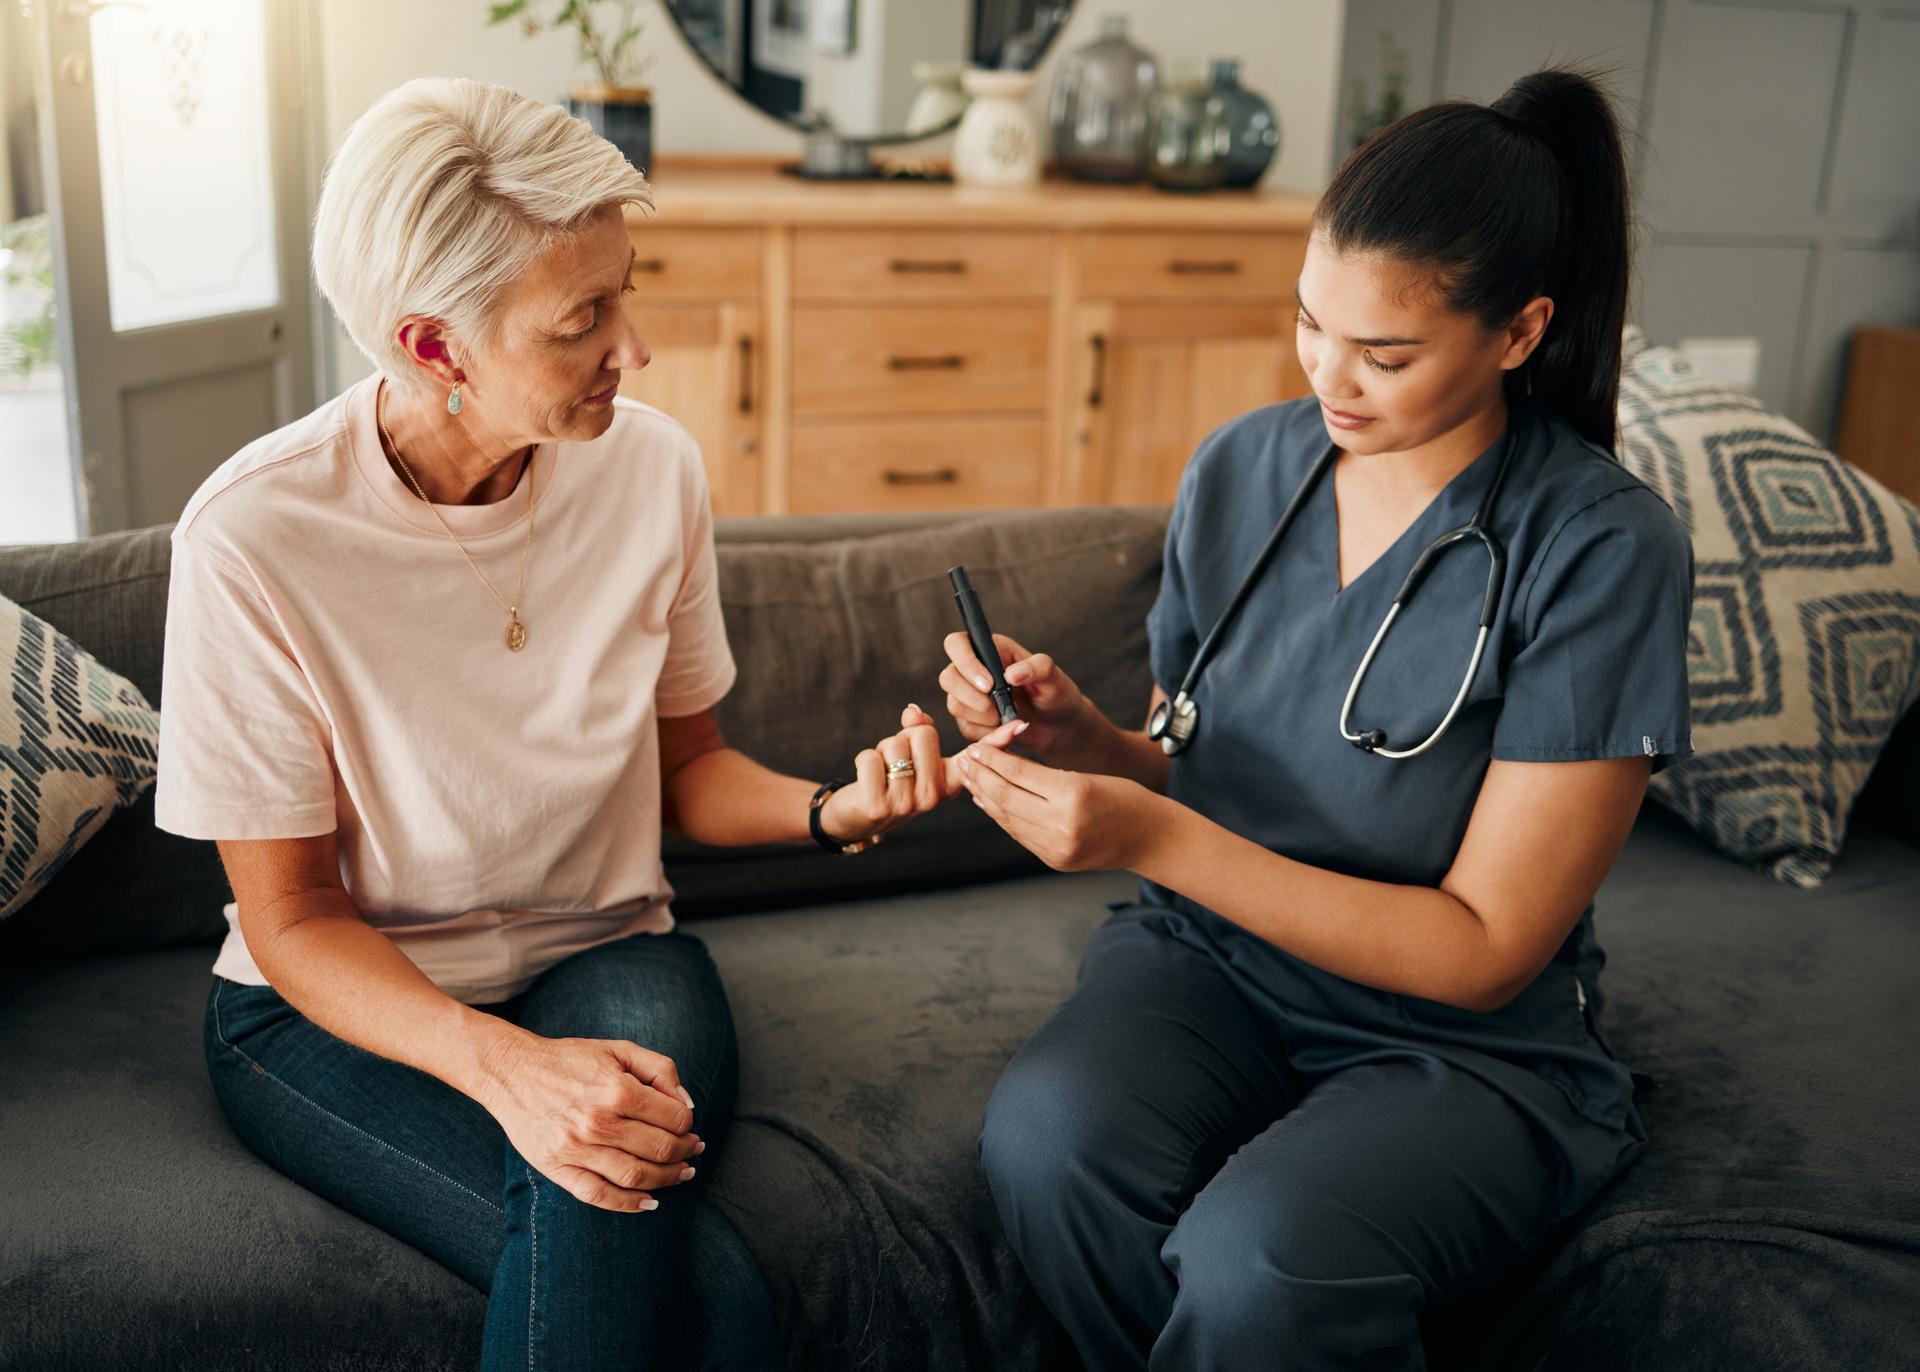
(1150, 381)
(707, 372)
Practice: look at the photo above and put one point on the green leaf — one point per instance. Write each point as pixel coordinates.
(505, 10)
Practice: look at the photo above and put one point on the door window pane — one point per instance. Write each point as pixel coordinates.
(186, 184)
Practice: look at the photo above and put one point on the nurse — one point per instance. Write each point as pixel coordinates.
(1342, 1062)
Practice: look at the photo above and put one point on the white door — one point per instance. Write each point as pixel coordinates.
(176, 148)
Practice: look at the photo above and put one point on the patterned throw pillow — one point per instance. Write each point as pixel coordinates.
(1805, 644)
(77, 742)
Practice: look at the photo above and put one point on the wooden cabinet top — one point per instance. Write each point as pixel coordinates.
(692, 191)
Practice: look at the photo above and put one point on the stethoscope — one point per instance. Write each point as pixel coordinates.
(1174, 721)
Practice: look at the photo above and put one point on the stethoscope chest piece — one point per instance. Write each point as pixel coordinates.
(1173, 722)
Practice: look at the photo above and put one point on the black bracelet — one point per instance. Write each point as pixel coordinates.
(820, 835)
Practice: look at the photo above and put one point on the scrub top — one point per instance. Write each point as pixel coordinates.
(1586, 659)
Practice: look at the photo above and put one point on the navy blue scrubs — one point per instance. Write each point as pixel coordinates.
(1215, 1155)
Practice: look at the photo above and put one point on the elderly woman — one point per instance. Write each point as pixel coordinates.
(441, 661)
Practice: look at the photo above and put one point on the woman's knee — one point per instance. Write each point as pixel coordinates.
(660, 991)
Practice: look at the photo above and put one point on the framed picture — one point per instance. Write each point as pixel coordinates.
(833, 27)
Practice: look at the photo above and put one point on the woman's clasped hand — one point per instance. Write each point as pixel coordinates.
(606, 1119)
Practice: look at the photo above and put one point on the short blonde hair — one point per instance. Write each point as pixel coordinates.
(441, 195)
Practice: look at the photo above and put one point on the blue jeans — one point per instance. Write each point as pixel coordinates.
(569, 1285)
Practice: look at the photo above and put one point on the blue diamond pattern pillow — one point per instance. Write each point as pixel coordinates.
(1805, 643)
(77, 742)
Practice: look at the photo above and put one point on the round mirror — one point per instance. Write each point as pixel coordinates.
(870, 71)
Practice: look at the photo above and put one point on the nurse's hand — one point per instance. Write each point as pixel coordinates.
(1043, 693)
(873, 803)
(1072, 821)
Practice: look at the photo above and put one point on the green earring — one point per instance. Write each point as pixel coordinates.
(453, 399)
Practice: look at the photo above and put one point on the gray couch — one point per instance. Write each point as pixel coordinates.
(1774, 1223)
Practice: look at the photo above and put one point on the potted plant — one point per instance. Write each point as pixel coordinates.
(619, 110)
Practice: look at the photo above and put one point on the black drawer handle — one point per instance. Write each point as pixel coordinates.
(1096, 393)
(954, 267)
(653, 266)
(1179, 268)
(746, 375)
(940, 476)
(950, 363)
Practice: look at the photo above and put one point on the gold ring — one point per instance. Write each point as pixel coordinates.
(899, 767)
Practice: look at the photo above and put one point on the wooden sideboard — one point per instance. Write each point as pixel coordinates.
(900, 346)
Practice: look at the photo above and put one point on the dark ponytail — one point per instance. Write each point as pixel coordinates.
(1523, 197)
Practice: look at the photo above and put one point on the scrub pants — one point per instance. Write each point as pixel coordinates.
(1195, 1175)
(569, 1285)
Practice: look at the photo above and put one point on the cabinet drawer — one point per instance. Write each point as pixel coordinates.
(916, 464)
(695, 264)
(921, 264)
(1161, 266)
(903, 359)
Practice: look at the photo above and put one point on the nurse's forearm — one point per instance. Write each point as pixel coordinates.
(726, 798)
(1410, 940)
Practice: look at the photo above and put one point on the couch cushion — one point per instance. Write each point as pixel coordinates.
(1805, 648)
(1769, 1226)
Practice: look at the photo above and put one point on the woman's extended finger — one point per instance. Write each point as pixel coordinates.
(914, 715)
(899, 789)
(923, 744)
(869, 786)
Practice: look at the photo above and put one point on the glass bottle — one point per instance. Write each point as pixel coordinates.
(1186, 138)
(1250, 127)
(1099, 106)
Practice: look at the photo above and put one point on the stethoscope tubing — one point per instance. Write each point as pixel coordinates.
(1175, 721)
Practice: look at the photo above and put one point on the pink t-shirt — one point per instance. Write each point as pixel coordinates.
(332, 663)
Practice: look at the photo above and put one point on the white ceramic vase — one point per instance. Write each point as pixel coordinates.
(998, 143)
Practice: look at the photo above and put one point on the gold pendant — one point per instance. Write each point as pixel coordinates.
(516, 634)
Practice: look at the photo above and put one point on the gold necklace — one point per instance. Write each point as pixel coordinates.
(516, 631)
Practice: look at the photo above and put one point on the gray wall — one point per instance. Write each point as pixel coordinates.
(1777, 158)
